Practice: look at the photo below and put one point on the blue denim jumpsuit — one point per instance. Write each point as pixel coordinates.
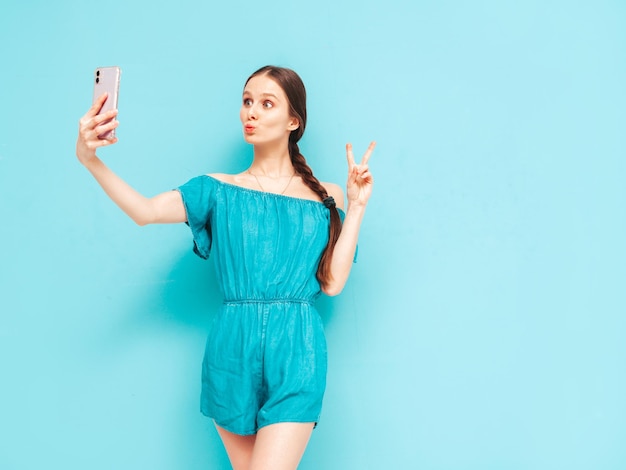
(265, 357)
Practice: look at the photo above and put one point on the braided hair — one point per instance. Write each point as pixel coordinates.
(294, 89)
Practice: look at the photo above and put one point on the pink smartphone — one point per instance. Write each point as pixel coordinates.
(107, 79)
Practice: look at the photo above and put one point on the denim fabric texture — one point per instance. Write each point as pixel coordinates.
(265, 357)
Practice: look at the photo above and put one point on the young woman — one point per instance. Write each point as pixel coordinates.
(278, 238)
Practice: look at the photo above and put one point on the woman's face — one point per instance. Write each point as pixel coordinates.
(264, 112)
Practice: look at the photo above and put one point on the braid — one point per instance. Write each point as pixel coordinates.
(298, 161)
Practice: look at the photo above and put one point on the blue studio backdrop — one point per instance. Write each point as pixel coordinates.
(483, 326)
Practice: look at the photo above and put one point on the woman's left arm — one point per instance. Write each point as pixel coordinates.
(358, 191)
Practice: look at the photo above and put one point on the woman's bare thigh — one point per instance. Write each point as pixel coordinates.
(239, 448)
(280, 446)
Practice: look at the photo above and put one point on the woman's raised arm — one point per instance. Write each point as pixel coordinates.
(164, 208)
(358, 192)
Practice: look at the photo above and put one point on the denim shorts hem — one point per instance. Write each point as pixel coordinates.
(288, 420)
(269, 423)
(231, 429)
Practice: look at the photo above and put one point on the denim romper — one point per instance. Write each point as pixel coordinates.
(265, 357)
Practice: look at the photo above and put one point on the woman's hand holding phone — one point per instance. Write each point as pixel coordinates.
(97, 127)
(92, 125)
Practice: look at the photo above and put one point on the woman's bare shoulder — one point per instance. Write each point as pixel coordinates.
(226, 178)
(240, 179)
(336, 192)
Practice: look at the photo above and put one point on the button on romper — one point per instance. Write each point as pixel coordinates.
(265, 357)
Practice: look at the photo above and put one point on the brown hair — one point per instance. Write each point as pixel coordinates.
(293, 87)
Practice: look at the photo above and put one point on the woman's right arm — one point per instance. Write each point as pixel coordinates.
(164, 208)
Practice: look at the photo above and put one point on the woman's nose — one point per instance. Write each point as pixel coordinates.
(252, 112)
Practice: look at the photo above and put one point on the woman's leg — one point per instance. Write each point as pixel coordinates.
(280, 446)
(239, 448)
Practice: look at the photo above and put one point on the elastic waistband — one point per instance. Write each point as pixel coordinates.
(268, 301)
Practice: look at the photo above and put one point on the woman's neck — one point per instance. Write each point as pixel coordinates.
(273, 162)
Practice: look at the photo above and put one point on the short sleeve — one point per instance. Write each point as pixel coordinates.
(342, 216)
(199, 199)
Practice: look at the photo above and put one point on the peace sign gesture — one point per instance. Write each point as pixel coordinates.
(360, 180)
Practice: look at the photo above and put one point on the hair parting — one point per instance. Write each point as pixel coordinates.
(293, 87)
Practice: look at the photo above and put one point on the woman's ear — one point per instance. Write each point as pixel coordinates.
(293, 124)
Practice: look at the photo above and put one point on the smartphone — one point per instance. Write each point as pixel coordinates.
(107, 79)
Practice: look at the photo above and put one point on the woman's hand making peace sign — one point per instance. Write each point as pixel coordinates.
(360, 180)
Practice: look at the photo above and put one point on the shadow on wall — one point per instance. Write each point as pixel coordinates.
(189, 296)
(186, 295)
(166, 299)
(326, 308)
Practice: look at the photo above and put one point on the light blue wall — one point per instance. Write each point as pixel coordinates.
(483, 327)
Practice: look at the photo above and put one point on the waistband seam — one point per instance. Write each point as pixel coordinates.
(269, 301)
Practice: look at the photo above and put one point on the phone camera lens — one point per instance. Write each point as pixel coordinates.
(97, 80)
(98, 73)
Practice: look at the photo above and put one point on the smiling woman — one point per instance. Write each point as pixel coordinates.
(277, 236)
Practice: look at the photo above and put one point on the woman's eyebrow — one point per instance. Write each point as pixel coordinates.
(272, 95)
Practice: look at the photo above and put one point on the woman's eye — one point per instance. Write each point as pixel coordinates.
(267, 104)
(247, 101)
